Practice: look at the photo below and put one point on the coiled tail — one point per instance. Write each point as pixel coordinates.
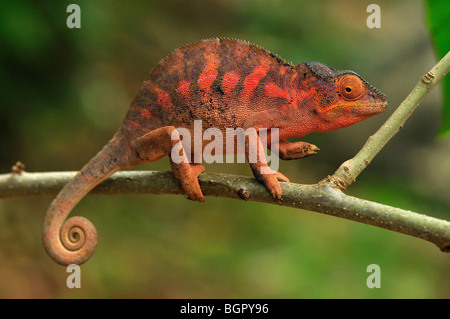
(73, 241)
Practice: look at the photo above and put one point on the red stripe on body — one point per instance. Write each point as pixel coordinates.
(229, 82)
(206, 80)
(163, 97)
(209, 73)
(134, 124)
(183, 90)
(273, 90)
(252, 81)
(145, 114)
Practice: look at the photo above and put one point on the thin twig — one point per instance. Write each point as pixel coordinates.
(346, 174)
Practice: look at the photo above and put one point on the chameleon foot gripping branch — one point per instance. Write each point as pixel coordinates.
(225, 83)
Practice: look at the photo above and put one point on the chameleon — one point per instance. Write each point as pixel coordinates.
(225, 83)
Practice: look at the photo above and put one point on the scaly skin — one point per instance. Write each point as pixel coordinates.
(225, 83)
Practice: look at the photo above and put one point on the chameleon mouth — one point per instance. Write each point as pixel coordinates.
(366, 108)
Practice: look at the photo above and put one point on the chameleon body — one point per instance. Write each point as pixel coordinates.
(226, 83)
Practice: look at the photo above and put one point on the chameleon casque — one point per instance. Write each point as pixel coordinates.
(226, 83)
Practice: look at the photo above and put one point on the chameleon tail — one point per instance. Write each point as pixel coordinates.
(74, 241)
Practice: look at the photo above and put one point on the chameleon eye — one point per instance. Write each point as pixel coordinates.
(350, 87)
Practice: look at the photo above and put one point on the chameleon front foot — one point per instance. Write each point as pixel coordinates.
(296, 150)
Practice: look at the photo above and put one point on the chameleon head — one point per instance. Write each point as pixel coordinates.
(340, 98)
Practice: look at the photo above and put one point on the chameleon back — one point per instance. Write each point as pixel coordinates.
(219, 81)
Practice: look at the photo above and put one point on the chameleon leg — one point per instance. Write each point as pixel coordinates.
(296, 150)
(257, 161)
(165, 141)
(269, 178)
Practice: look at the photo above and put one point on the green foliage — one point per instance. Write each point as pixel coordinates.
(438, 16)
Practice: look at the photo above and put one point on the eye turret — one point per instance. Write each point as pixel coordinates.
(350, 87)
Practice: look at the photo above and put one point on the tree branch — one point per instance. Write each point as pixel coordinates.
(320, 198)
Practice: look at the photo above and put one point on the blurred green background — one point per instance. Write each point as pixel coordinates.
(65, 92)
